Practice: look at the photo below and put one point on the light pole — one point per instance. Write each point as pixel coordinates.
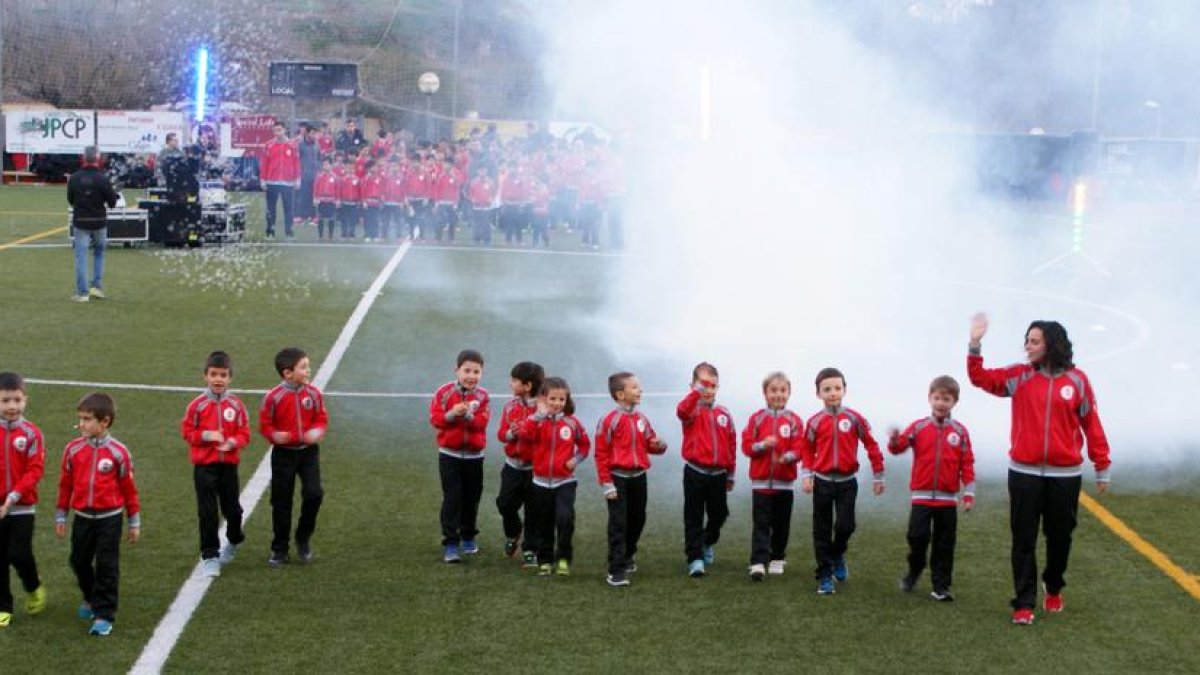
(429, 83)
(1157, 108)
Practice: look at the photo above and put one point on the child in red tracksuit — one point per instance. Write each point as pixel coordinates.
(516, 478)
(22, 462)
(774, 441)
(371, 191)
(830, 465)
(293, 419)
(624, 442)
(559, 443)
(349, 199)
(325, 194)
(216, 427)
(96, 482)
(943, 464)
(460, 412)
(710, 455)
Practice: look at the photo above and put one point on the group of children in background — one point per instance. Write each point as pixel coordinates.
(544, 443)
(96, 482)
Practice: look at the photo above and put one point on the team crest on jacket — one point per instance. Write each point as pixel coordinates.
(844, 426)
(1067, 392)
(20, 443)
(641, 426)
(785, 430)
(722, 421)
(105, 465)
(229, 414)
(307, 402)
(953, 439)
(565, 433)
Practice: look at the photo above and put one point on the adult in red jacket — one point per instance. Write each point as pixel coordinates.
(1053, 411)
(280, 175)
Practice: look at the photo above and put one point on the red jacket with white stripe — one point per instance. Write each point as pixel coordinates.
(519, 453)
(325, 188)
(624, 443)
(280, 163)
(709, 436)
(461, 436)
(482, 193)
(226, 414)
(393, 187)
(348, 188)
(371, 190)
(773, 469)
(831, 447)
(556, 440)
(449, 186)
(942, 461)
(294, 410)
(22, 465)
(96, 481)
(1052, 414)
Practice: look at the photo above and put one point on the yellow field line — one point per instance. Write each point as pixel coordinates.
(34, 237)
(1188, 581)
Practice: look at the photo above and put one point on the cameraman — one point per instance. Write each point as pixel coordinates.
(91, 194)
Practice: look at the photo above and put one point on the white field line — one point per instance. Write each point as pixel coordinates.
(382, 247)
(154, 655)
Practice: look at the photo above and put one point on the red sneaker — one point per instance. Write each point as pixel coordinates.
(1053, 602)
(1022, 617)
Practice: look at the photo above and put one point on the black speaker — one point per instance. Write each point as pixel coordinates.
(170, 224)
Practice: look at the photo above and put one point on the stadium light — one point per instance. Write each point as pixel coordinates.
(201, 82)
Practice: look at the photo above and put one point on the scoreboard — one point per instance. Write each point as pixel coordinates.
(314, 80)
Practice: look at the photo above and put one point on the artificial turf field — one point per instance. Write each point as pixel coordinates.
(377, 599)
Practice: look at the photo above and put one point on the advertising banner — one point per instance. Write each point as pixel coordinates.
(60, 132)
(136, 131)
(251, 131)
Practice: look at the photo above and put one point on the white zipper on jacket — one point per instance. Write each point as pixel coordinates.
(1046, 437)
(937, 457)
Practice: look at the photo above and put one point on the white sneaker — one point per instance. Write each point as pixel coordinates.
(228, 552)
(776, 567)
(211, 567)
(757, 572)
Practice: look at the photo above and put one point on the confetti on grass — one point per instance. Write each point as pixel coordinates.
(240, 270)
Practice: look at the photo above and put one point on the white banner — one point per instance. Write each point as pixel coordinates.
(62, 132)
(135, 131)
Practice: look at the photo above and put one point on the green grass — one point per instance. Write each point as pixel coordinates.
(378, 600)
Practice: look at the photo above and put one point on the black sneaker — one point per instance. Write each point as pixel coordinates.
(907, 582)
(305, 552)
(630, 566)
(278, 559)
(942, 596)
(618, 579)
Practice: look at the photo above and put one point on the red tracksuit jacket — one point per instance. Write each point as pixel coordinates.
(482, 193)
(22, 465)
(831, 448)
(556, 439)
(325, 188)
(463, 437)
(371, 190)
(209, 412)
(709, 437)
(1052, 414)
(294, 410)
(280, 163)
(96, 481)
(393, 187)
(348, 189)
(623, 445)
(773, 469)
(942, 461)
(519, 453)
(449, 186)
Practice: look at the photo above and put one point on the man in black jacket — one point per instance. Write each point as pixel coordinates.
(91, 194)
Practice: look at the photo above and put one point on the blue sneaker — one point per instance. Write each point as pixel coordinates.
(709, 555)
(469, 547)
(696, 568)
(840, 571)
(450, 554)
(101, 628)
(825, 586)
(85, 612)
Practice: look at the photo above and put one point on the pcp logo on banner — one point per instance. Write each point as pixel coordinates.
(73, 127)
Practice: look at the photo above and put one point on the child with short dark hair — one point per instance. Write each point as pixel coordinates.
(516, 478)
(216, 427)
(774, 441)
(460, 412)
(325, 193)
(22, 462)
(624, 442)
(96, 482)
(710, 457)
(293, 419)
(559, 443)
(943, 464)
(349, 196)
(830, 465)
